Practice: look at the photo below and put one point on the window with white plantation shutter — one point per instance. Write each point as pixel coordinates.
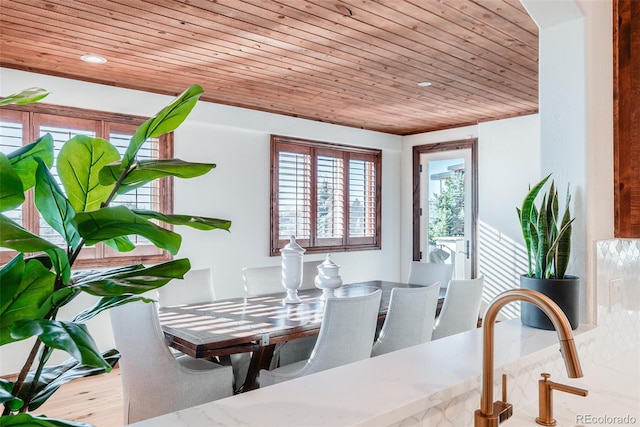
(330, 199)
(21, 125)
(362, 212)
(11, 138)
(326, 195)
(294, 188)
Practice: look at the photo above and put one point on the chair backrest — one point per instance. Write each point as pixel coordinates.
(409, 320)
(268, 280)
(461, 307)
(145, 363)
(262, 280)
(197, 286)
(428, 273)
(153, 382)
(347, 331)
(309, 273)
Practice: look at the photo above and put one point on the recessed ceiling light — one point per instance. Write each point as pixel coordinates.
(424, 84)
(93, 59)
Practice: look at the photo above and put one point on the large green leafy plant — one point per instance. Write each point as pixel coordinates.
(547, 235)
(39, 280)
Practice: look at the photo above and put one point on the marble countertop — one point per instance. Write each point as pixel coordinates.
(378, 391)
(613, 399)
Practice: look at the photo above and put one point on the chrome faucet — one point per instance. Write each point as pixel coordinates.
(490, 414)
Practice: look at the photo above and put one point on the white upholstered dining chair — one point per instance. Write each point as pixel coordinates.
(409, 320)
(346, 333)
(267, 280)
(460, 309)
(428, 273)
(196, 286)
(154, 382)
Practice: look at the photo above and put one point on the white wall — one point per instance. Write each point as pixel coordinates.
(509, 155)
(599, 205)
(509, 159)
(237, 140)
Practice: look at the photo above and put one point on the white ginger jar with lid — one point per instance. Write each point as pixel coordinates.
(328, 278)
(292, 270)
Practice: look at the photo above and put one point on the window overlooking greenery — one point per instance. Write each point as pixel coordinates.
(447, 208)
(327, 195)
(20, 125)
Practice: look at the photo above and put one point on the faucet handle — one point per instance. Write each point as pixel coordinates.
(545, 388)
(503, 408)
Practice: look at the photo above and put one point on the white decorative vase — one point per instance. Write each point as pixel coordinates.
(292, 270)
(328, 278)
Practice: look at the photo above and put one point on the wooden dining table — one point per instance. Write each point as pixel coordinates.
(256, 324)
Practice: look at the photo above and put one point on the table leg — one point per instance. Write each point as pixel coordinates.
(260, 359)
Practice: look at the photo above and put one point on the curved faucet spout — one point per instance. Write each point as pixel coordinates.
(485, 416)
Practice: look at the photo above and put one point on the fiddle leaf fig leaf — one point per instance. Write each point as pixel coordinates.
(23, 159)
(146, 171)
(106, 303)
(79, 164)
(54, 207)
(112, 222)
(71, 337)
(11, 191)
(53, 377)
(27, 96)
(7, 398)
(57, 299)
(200, 223)
(15, 237)
(120, 244)
(10, 277)
(167, 120)
(28, 420)
(137, 281)
(22, 296)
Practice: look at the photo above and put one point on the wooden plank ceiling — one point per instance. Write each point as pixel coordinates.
(350, 62)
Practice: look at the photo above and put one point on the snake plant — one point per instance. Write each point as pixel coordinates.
(547, 236)
(39, 280)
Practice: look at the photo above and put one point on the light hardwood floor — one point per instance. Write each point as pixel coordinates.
(94, 400)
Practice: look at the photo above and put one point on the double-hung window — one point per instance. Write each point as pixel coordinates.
(21, 125)
(326, 195)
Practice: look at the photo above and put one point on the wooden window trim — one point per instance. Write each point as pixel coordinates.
(98, 255)
(347, 153)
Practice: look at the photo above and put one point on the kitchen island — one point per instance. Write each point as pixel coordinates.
(436, 383)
